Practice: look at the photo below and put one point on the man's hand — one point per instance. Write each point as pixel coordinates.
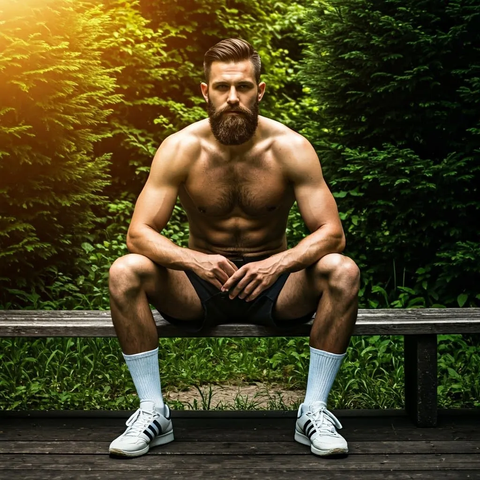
(253, 278)
(215, 269)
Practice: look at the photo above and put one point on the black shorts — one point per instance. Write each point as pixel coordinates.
(219, 309)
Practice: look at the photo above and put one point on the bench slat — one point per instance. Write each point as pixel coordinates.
(97, 323)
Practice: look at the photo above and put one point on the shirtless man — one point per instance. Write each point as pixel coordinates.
(237, 175)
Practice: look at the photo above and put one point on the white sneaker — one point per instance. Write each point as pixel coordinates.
(147, 427)
(315, 427)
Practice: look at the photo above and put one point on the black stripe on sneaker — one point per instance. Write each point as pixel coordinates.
(153, 429)
(309, 422)
(159, 427)
(148, 434)
(310, 430)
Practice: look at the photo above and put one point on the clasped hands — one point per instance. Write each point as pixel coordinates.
(246, 282)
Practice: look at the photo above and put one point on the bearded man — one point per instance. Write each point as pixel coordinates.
(237, 175)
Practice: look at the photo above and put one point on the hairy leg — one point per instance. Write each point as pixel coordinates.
(331, 287)
(135, 282)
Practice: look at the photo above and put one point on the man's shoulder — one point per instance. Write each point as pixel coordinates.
(179, 151)
(189, 139)
(283, 139)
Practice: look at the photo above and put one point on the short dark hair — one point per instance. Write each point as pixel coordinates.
(232, 50)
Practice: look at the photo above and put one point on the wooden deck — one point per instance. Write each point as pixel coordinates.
(239, 445)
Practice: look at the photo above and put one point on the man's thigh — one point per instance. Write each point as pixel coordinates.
(298, 297)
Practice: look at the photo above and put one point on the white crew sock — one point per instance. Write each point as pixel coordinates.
(146, 376)
(323, 369)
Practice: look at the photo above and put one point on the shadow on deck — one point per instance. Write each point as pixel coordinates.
(239, 445)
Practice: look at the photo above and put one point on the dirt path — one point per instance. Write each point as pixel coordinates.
(239, 397)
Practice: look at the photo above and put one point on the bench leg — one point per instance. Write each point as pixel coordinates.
(421, 379)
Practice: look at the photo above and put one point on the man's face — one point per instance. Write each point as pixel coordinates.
(232, 97)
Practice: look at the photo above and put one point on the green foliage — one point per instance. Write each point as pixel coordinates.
(144, 73)
(396, 124)
(89, 289)
(458, 366)
(56, 96)
(372, 375)
(65, 373)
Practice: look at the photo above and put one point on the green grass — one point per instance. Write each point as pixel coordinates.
(65, 373)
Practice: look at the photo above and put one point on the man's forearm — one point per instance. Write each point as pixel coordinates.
(311, 249)
(161, 250)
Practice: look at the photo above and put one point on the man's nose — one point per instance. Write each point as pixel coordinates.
(232, 96)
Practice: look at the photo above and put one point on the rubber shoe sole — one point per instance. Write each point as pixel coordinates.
(160, 440)
(304, 440)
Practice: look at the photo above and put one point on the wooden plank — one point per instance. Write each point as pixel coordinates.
(450, 428)
(376, 415)
(469, 418)
(382, 313)
(220, 463)
(390, 426)
(106, 415)
(96, 323)
(75, 447)
(295, 473)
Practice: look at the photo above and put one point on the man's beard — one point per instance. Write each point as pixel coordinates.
(233, 129)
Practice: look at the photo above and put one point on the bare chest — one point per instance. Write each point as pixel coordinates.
(249, 188)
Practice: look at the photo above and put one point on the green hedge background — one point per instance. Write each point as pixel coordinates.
(387, 91)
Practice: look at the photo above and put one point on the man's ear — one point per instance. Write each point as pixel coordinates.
(261, 90)
(204, 88)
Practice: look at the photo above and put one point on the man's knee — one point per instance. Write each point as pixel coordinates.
(129, 272)
(339, 272)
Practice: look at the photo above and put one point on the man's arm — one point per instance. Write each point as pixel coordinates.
(319, 212)
(154, 208)
(317, 207)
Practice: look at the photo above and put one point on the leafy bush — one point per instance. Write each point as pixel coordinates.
(55, 99)
(396, 123)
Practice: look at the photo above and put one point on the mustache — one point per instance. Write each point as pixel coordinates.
(234, 110)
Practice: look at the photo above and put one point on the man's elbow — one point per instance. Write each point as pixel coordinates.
(339, 241)
(132, 241)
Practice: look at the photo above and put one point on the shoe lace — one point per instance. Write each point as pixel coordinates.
(139, 421)
(324, 420)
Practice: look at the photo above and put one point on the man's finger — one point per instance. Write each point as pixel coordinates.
(245, 283)
(229, 268)
(236, 289)
(247, 290)
(221, 275)
(234, 279)
(260, 288)
(215, 281)
(235, 268)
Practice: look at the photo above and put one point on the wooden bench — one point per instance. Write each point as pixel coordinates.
(419, 327)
